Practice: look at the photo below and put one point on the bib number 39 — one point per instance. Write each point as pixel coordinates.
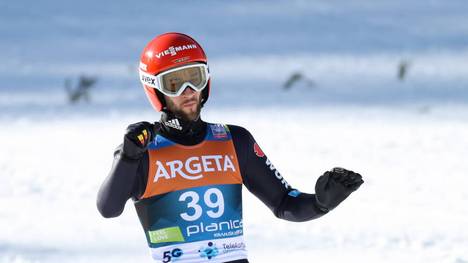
(213, 200)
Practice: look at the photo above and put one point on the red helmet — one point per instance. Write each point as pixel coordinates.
(167, 51)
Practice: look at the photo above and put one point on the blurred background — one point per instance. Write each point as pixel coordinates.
(379, 87)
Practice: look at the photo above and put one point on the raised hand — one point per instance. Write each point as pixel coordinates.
(137, 138)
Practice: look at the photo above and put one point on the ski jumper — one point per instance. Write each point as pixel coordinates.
(187, 191)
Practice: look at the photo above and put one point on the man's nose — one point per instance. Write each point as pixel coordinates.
(188, 91)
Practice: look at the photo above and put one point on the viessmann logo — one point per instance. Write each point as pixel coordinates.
(173, 50)
(193, 167)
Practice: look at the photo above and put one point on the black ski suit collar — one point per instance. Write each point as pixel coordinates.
(182, 131)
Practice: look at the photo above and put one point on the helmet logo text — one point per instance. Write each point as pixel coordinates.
(173, 50)
(148, 80)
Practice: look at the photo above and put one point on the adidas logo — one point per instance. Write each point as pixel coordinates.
(174, 123)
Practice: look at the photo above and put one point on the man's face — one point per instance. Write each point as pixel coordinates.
(186, 106)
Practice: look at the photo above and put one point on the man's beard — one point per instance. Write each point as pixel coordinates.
(179, 113)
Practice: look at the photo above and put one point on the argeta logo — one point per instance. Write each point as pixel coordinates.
(258, 151)
(174, 123)
(169, 256)
(209, 252)
(193, 167)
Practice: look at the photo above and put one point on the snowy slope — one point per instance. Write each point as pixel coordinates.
(411, 208)
(407, 138)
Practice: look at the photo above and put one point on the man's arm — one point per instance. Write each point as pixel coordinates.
(124, 181)
(264, 181)
(127, 178)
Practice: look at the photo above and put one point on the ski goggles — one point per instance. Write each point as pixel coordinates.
(174, 81)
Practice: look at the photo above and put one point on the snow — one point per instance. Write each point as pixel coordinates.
(407, 138)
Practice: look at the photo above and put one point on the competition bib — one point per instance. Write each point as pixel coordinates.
(191, 210)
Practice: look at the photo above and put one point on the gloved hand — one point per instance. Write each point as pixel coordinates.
(335, 186)
(137, 138)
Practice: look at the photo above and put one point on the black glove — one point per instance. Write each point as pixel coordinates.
(137, 138)
(335, 186)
